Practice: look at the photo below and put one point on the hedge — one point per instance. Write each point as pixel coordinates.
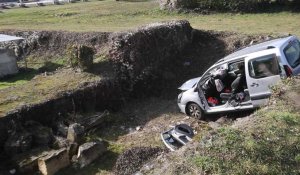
(247, 5)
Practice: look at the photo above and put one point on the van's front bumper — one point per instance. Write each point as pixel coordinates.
(181, 107)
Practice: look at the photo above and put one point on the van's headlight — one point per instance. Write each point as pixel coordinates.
(179, 97)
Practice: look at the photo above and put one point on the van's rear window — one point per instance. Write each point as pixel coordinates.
(292, 53)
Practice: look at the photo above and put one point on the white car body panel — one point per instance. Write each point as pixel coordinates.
(259, 89)
(189, 84)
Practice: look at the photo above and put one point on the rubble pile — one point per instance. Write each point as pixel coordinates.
(32, 147)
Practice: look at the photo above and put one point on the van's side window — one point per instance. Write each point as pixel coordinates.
(292, 53)
(263, 67)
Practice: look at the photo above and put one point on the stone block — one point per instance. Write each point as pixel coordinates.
(54, 161)
(75, 133)
(90, 151)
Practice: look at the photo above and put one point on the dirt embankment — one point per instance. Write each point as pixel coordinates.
(53, 44)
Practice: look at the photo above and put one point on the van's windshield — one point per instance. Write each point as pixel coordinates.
(292, 53)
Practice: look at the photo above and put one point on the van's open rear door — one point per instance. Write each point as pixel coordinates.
(262, 72)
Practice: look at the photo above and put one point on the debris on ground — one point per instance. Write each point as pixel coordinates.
(177, 136)
(131, 160)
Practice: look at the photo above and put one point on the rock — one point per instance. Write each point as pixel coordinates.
(61, 129)
(72, 149)
(75, 133)
(54, 161)
(90, 151)
(27, 163)
(42, 136)
(138, 128)
(221, 120)
(18, 142)
(12, 171)
(60, 142)
(214, 125)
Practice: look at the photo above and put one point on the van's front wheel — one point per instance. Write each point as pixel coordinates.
(195, 111)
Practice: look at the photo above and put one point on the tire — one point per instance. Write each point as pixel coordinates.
(195, 111)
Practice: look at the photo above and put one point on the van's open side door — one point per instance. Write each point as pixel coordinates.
(262, 71)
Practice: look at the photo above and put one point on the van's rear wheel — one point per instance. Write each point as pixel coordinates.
(195, 111)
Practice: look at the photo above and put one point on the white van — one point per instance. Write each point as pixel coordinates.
(263, 65)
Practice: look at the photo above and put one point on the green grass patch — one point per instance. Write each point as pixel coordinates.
(111, 15)
(268, 145)
(33, 68)
(18, 79)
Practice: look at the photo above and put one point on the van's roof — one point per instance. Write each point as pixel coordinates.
(276, 43)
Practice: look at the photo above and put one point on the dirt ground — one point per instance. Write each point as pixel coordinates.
(139, 124)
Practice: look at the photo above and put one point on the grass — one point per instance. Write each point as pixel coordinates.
(26, 74)
(268, 144)
(18, 79)
(42, 88)
(110, 15)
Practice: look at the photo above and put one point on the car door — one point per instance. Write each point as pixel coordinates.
(262, 71)
(292, 55)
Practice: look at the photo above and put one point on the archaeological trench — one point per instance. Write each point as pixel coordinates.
(152, 60)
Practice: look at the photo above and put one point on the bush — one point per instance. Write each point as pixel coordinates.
(178, 4)
(80, 56)
(247, 5)
(231, 5)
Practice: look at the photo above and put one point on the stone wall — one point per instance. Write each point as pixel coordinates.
(143, 58)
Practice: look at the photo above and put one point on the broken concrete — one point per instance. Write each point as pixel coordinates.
(72, 149)
(27, 163)
(90, 151)
(54, 161)
(75, 133)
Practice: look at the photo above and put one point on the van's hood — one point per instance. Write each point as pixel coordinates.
(189, 84)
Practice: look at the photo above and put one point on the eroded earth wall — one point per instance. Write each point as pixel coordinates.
(143, 58)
